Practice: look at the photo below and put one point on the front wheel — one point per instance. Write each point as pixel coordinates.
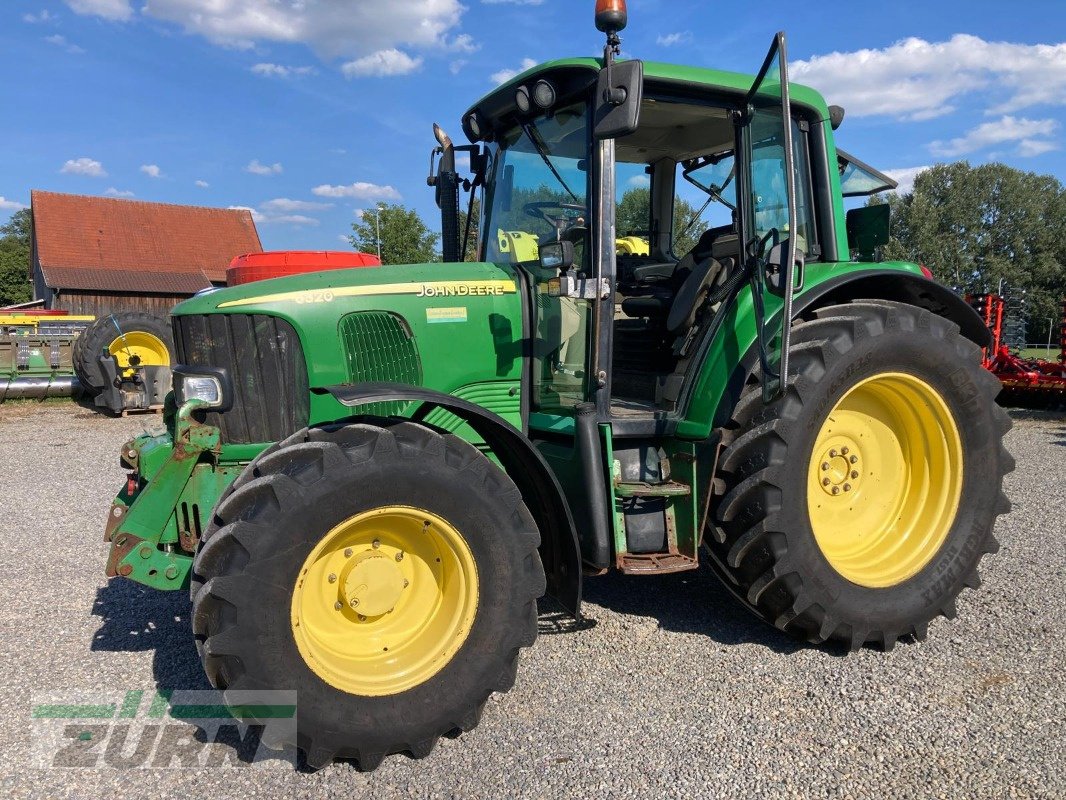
(387, 574)
(857, 506)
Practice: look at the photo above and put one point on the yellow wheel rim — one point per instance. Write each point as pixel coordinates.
(385, 600)
(884, 479)
(139, 349)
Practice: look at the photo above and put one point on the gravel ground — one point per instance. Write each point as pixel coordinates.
(671, 690)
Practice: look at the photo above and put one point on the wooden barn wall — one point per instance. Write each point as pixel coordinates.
(104, 303)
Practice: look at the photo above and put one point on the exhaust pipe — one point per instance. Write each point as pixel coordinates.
(39, 388)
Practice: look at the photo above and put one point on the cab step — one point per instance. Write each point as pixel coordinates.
(655, 563)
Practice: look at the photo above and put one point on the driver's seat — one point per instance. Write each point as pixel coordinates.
(689, 297)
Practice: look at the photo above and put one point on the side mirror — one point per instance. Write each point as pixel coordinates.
(775, 265)
(619, 90)
(557, 255)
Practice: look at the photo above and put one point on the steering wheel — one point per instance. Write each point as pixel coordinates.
(572, 231)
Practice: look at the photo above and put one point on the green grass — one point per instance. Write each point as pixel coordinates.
(1041, 352)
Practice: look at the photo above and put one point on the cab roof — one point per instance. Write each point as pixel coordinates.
(699, 78)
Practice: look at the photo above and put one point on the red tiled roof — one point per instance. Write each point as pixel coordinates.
(128, 245)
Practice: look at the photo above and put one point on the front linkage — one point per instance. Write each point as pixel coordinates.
(175, 477)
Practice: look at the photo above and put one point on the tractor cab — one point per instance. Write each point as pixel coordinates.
(582, 168)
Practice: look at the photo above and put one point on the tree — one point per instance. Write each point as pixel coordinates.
(976, 226)
(15, 245)
(405, 238)
(632, 217)
(470, 251)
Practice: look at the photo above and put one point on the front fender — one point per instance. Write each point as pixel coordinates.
(559, 548)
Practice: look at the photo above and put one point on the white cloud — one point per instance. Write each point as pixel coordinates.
(285, 205)
(915, 79)
(513, 2)
(457, 66)
(10, 205)
(281, 71)
(671, 39)
(84, 166)
(505, 75)
(152, 170)
(113, 192)
(330, 27)
(359, 190)
(343, 238)
(61, 41)
(383, 63)
(1027, 132)
(639, 181)
(202, 184)
(119, 10)
(256, 216)
(256, 168)
(1031, 147)
(44, 15)
(904, 177)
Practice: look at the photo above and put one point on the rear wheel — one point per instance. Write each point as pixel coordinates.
(389, 575)
(134, 338)
(858, 505)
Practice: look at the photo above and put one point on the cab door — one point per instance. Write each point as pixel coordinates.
(768, 195)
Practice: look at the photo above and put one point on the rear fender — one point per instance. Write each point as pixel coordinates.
(559, 549)
(880, 284)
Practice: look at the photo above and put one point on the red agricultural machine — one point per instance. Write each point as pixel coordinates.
(1027, 382)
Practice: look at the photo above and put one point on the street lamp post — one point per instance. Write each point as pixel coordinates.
(377, 224)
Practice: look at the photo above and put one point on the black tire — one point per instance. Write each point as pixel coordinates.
(761, 542)
(97, 338)
(285, 502)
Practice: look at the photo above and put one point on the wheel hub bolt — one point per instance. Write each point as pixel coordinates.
(347, 552)
(362, 618)
(355, 602)
(854, 474)
(399, 556)
(406, 583)
(843, 451)
(377, 544)
(847, 487)
(836, 490)
(832, 453)
(854, 459)
(338, 605)
(825, 481)
(332, 578)
(825, 466)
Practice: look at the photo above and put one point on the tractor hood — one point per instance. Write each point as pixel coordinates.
(339, 289)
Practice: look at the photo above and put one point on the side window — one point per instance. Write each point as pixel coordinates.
(771, 194)
(705, 196)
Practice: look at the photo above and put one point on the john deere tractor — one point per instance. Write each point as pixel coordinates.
(370, 476)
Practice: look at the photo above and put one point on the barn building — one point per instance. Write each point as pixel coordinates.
(99, 255)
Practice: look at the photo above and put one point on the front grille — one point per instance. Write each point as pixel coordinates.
(266, 364)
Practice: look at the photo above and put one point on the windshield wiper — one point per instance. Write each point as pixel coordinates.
(534, 136)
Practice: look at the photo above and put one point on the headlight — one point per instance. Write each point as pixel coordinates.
(209, 385)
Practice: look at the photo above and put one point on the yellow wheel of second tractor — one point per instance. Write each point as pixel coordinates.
(135, 339)
(857, 506)
(138, 348)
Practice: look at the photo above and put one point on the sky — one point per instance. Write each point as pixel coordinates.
(308, 112)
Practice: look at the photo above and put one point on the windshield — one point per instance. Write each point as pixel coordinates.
(538, 186)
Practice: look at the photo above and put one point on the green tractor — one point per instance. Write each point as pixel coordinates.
(370, 476)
